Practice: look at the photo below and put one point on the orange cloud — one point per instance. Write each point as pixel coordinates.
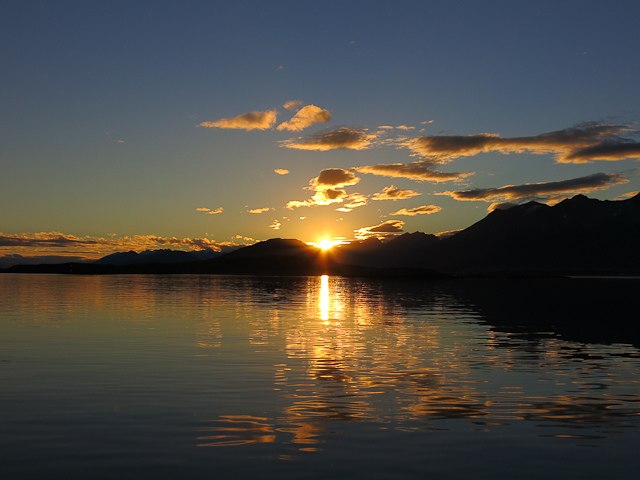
(292, 105)
(260, 210)
(393, 193)
(44, 243)
(421, 170)
(275, 225)
(352, 201)
(423, 210)
(390, 227)
(216, 211)
(328, 187)
(342, 137)
(281, 171)
(246, 121)
(306, 116)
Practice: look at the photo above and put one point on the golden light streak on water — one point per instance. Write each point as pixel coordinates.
(324, 298)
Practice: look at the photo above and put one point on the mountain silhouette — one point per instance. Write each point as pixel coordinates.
(577, 236)
(156, 256)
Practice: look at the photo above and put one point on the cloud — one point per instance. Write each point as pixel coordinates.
(335, 177)
(352, 201)
(306, 116)
(390, 227)
(586, 184)
(404, 127)
(281, 171)
(627, 195)
(203, 209)
(393, 193)
(328, 187)
(603, 151)
(56, 243)
(292, 105)
(443, 148)
(342, 137)
(423, 210)
(216, 211)
(246, 121)
(275, 225)
(260, 210)
(421, 170)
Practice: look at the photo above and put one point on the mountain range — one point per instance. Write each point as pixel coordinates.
(579, 236)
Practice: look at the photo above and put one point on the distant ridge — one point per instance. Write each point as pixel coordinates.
(579, 236)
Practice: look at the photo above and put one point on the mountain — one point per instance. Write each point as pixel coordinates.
(156, 256)
(577, 236)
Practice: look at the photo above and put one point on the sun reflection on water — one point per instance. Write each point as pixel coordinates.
(324, 297)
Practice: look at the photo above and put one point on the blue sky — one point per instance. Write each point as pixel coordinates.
(112, 134)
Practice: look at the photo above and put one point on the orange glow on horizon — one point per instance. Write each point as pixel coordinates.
(326, 244)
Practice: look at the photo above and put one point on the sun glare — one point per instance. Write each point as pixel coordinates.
(325, 244)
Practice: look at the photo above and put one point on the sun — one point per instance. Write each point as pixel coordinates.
(325, 244)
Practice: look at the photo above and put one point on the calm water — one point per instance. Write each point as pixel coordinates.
(308, 377)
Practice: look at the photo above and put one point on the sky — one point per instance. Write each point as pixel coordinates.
(197, 124)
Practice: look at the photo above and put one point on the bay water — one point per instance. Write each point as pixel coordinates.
(204, 376)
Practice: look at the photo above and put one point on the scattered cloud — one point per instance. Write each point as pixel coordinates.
(56, 243)
(444, 148)
(528, 191)
(246, 121)
(275, 225)
(281, 171)
(423, 210)
(306, 116)
(448, 233)
(292, 105)
(216, 211)
(203, 209)
(422, 170)
(342, 137)
(393, 193)
(260, 210)
(328, 187)
(404, 127)
(352, 201)
(390, 227)
(334, 177)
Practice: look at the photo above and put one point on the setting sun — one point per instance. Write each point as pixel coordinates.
(325, 244)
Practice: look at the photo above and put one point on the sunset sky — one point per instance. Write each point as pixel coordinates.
(133, 125)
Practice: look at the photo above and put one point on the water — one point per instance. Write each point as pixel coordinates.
(316, 378)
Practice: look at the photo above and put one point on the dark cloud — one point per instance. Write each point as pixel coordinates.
(335, 177)
(393, 193)
(443, 148)
(597, 181)
(342, 137)
(422, 170)
(603, 151)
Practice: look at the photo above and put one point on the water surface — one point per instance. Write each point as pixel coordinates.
(313, 377)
